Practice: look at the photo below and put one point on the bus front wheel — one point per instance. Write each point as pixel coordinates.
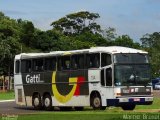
(47, 102)
(36, 101)
(96, 103)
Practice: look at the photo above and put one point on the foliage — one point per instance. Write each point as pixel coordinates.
(77, 23)
(151, 42)
(9, 45)
(74, 31)
(109, 34)
(126, 41)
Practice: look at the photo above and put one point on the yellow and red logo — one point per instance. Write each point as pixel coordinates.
(76, 82)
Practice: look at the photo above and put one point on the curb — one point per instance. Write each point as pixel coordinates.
(1, 101)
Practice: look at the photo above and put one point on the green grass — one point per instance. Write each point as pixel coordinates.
(111, 113)
(155, 105)
(6, 95)
(85, 115)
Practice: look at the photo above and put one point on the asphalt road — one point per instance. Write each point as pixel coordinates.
(11, 108)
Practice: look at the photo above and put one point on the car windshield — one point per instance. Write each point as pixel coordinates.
(131, 58)
(132, 75)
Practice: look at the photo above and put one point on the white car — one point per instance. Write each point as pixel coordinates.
(157, 86)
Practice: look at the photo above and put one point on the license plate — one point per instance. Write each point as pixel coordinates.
(136, 99)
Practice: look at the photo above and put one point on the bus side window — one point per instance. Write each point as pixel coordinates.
(74, 62)
(50, 64)
(108, 77)
(81, 61)
(102, 78)
(64, 63)
(37, 65)
(17, 66)
(59, 63)
(105, 59)
(93, 60)
(26, 66)
(77, 62)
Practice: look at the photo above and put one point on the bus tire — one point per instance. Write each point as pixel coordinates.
(36, 102)
(47, 102)
(128, 107)
(78, 108)
(96, 102)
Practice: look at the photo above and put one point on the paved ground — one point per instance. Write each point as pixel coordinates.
(12, 108)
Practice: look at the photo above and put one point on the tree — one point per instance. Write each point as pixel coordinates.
(109, 34)
(9, 46)
(125, 41)
(94, 39)
(151, 43)
(151, 40)
(28, 33)
(77, 23)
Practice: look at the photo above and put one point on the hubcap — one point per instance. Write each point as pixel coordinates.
(36, 101)
(47, 102)
(96, 102)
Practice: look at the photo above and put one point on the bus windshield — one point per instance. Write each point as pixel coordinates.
(131, 58)
(132, 75)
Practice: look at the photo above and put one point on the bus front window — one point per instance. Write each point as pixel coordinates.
(131, 69)
(136, 58)
(132, 75)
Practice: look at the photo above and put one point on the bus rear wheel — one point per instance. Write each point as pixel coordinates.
(36, 101)
(47, 102)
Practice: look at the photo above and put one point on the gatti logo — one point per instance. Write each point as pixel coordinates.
(33, 79)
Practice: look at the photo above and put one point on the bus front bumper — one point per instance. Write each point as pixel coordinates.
(129, 100)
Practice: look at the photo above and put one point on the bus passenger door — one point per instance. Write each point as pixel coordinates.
(106, 84)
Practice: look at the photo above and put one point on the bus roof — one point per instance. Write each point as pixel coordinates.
(110, 49)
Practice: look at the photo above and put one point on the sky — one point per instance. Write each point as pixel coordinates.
(129, 17)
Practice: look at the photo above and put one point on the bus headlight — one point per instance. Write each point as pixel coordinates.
(148, 99)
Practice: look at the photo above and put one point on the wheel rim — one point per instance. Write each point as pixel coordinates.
(97, 102)
(47, 102)
(36, 101)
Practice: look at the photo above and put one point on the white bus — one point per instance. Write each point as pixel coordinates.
(97, 77)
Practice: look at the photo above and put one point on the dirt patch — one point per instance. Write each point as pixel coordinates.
(156, 93)
(148, 110)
